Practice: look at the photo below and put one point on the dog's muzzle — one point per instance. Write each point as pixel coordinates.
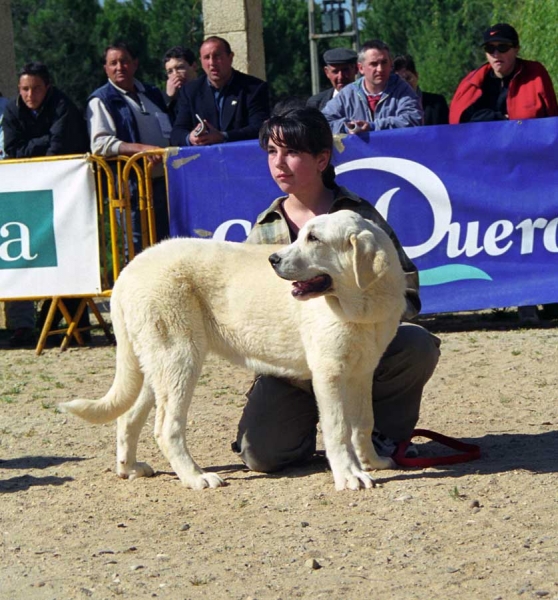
(274, 259)
(316, 286)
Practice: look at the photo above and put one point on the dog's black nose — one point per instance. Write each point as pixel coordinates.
(274, 259)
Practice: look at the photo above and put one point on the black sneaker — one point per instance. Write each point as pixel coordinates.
(24, 337)
(528, 315)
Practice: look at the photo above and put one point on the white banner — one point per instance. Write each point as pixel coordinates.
(49, 243)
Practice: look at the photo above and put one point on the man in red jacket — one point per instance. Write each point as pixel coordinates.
(506, 87)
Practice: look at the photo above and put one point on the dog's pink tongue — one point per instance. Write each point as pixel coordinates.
(298, 288)
(314, 285)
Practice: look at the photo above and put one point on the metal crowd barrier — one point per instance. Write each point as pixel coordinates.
(113, 178)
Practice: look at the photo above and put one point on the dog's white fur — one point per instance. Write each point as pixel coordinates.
(183, 298)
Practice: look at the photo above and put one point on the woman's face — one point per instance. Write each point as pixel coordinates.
(295, 171)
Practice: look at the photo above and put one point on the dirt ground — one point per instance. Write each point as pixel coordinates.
(71, 529)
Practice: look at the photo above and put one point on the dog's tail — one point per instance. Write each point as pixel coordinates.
(125, 388)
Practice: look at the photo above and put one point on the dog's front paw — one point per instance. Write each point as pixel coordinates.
(353, 479)
(134, 471)
(378, 463)
(204, 480)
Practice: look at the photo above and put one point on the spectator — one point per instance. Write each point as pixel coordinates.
(506, 87)
(434, 106)
(3, 103)
(278, 424)
(231, 104)
(341, 69)
(180, 67)
(125, 117)
(380, 99)
(42, 121)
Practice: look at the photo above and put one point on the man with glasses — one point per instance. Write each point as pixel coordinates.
(506, 87)
(180, 67)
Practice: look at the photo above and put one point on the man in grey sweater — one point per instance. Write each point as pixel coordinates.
(380, 99)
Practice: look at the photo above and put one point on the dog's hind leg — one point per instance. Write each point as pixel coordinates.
(174, 385)
(129, 427)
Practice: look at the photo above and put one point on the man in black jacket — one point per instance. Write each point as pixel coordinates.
(341, 69)
(231, 105)
(42, 121)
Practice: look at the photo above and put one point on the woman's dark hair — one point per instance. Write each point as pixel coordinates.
(302, 128)
(404, 61)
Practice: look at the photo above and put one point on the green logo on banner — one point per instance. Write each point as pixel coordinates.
(27, 230)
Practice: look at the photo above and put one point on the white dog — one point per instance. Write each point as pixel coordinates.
(183, 298)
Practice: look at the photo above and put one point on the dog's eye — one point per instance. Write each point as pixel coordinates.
(311, 238)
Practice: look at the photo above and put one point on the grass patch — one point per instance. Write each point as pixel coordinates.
(456, 494)
(197, 581)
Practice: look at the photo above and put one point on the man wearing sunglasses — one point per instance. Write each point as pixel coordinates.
(505, 87)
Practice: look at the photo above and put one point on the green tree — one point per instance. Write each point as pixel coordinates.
(287, 51)
(393, 21)
(172, 23)
(123, 21)
(58, 33)
(70, 36)
(444, 36)
(448, 45)
(535, 22)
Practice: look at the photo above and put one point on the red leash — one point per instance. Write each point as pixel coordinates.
(467, 452)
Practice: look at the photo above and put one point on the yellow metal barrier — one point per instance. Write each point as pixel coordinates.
(142, 164)
(112, 178)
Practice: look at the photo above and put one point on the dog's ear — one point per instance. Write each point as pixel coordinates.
(369, 261)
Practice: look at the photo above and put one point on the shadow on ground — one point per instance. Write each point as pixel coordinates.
(37, 462)
(24, 482)
(500, 453)
(498, 319)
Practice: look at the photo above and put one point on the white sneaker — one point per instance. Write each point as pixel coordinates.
(387, 447)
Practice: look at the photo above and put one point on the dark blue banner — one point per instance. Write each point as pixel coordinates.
(475, 205)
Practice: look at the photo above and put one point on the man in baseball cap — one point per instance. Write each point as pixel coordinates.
(506, 86)
(501, 32)
(341, 69)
